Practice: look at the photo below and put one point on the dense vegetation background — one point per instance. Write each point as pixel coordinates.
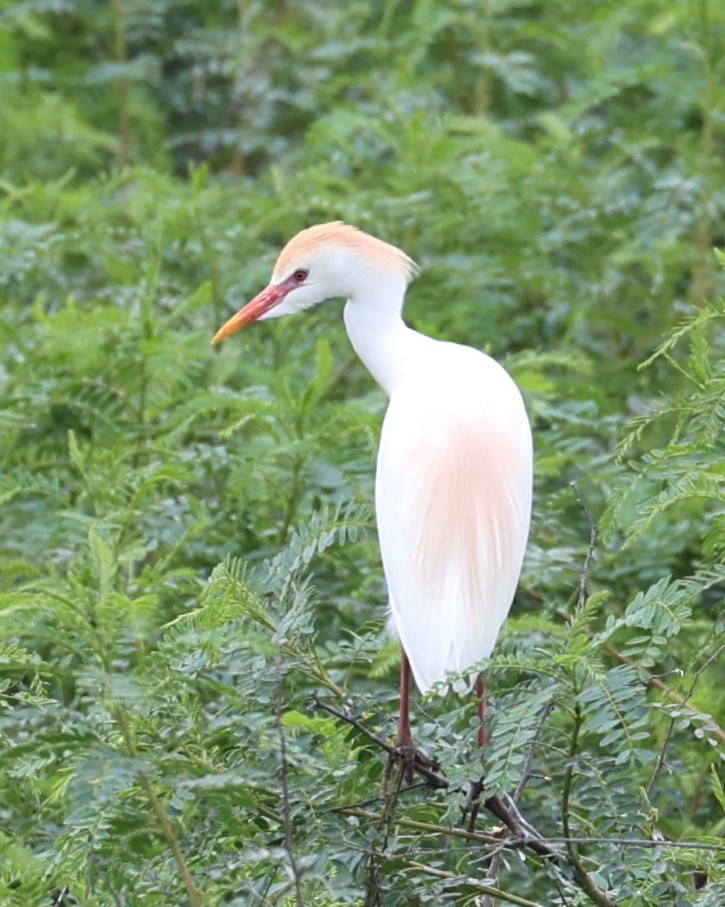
(188, 549)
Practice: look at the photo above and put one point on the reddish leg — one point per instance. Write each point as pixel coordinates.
(481, 694)
(404, 743)
(405, 748)
(476, 788)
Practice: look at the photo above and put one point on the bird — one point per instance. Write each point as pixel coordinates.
(454, 474)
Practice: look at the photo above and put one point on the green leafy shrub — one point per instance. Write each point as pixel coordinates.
(189, 575)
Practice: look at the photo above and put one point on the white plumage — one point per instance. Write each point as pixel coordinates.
(454, 472)
(453, 498)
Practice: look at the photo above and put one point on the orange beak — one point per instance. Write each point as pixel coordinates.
(253, 310)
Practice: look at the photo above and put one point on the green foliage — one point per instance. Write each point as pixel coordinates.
(187, 551)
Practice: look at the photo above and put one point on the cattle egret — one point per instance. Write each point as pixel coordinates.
(454, 471)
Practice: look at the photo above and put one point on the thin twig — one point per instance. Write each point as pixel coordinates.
(415, 825)
(669, 692)
(670, 730)
(526, 773)
(581, 876)
(506, 810)
(593, 535)
(488, 890)
(583, 879)
(639, 842)
(374, 889)
(654, 680)
(194, 894)
(518, 843)
(494, 874)
(286, 811)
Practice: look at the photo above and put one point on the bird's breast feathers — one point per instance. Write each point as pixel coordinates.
(453, 498)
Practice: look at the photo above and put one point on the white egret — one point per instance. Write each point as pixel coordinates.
(454, 471)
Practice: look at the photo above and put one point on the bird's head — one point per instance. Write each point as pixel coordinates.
(322, 262)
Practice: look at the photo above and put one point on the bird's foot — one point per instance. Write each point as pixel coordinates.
(414, 760)
(472, 804)
(403, 763)
(410, 760)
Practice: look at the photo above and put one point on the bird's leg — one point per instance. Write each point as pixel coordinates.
(404, 743)
(405, 748)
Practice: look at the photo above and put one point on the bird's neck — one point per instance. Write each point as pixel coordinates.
(380, 337)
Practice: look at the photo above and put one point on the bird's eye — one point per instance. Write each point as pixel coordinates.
(300, 274)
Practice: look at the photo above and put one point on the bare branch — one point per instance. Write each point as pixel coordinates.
(517, 843)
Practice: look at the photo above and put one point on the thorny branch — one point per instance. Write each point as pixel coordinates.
(657, 682)
(652, 679)
(374, 887)
(505, 808)
(611, 650)
(495, 865)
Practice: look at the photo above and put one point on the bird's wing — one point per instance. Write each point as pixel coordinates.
(453, 501)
